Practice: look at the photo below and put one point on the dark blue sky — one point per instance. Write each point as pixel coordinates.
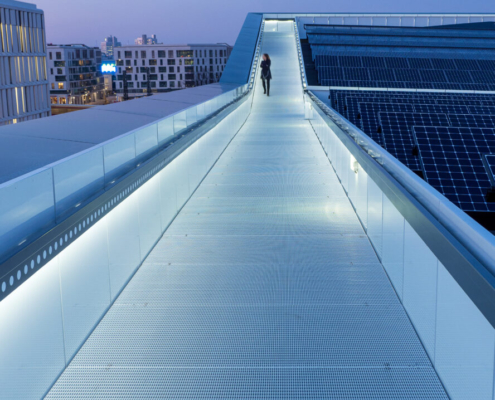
(200, 21)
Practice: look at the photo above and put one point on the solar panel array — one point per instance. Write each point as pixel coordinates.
(421, 73)
(448, 138)
(452, 163)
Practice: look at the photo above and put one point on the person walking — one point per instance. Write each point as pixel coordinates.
(266, 73)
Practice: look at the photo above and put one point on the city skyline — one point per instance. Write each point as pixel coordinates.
(171, 25)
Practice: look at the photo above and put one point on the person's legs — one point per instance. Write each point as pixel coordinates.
(268, 87)
(264, 87)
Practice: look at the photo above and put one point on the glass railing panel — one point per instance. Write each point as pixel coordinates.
(375, 216)
(77, 179)
(393, 244)
(165, 130)
(119, 157)
(146, 141)
(191, 115)
(358, 190)
(27, 207)
(31, 333)
(168, 194)
(150, 227)
(465, 342)
(124, 248)
(85, 284)
(419, 287)
(180, 122)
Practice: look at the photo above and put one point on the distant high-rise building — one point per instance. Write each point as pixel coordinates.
(144, 40)
(171, 67)
(74, 74)
(23, 79)
(108, 44)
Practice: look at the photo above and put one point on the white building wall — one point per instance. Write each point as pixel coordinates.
(24, 91)
(168, 69)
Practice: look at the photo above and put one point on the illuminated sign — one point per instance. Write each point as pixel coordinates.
(108, 68)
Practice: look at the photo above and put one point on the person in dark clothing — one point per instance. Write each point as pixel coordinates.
(266, 73)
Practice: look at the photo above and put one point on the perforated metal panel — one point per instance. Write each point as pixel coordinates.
(264, 287)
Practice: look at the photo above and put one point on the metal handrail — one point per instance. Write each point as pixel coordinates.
(476, 239)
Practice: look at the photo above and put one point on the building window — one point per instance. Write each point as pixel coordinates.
(172, 77)
(143, 53)
(119, 63)
(189, 62)
(153, 62)
(120, 85)
(178, 69)
(172, 84)
(135, 63)
(51, 71)
(161, 61)
(59, 71)
(153, 77)
(135, 77)
(63, 100)
(118, 54)
(128, 54)
(161, 77)
(144, 77)
(54, 99)
(179, 84)
(152, 53)
(161, 54)
(170, 54)
(50, 55)
(185, 53)
(128, 63)
(171, 69)
(53, 86)
(180, 61)
(163, 84)
(170, 62)
(211, 53)
(143, 62)
(162, 69)
(60, 85)
(58, 55)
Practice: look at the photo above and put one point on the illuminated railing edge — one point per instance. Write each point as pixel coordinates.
(22, 265)
(473, 243)
(469, 232)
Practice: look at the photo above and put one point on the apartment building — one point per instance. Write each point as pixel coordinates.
(74, 74)
(171, 67)
(23, 76)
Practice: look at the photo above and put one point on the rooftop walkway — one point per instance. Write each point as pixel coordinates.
(265, 285)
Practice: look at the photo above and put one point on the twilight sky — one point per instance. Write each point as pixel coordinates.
(202, 21)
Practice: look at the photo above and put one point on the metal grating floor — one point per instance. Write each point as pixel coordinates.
(264, 287)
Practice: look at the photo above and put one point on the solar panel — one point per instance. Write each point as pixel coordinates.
(356, 74)
(420, 63)
(350, 61)
(458, 76)
(373, 62)
(467, 65)
(452, 163)
(369, 117)
(472, 120)
(480, 110)
(407, 75)
(489, 161)
(443, 63)
(432, 75)
(397, 133)
(385, 75)
(441, 108)
(483, 76)
(396, 62)
(488, 65)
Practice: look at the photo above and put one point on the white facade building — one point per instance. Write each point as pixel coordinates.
(23, 76)
(74, 74)
(171, 67)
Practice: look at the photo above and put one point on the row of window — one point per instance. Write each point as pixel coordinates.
(178, 53)
(171, 69)
(154, 62)
(75, 54)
